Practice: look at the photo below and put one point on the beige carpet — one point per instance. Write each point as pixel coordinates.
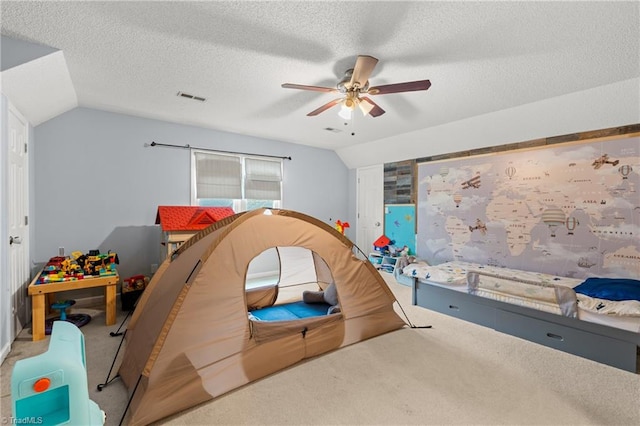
(454, 373)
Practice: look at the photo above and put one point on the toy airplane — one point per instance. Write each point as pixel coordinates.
(604, 159)
(474, 182)
(480, 226)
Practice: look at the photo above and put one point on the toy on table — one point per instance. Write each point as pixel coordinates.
(79, 266)
(95, 263)
(52, 388)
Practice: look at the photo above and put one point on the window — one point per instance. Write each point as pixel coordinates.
(241, 182)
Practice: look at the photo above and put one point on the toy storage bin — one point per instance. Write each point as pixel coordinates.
(132, 288)
(128, 300)
(375, 259)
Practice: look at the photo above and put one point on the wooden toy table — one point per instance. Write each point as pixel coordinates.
(40, 303)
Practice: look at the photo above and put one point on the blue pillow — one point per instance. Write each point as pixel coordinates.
(610, 288)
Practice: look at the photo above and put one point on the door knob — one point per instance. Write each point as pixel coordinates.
(377, 223)
(15, 240)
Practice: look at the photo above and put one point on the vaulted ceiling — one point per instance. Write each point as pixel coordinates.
(481, 57)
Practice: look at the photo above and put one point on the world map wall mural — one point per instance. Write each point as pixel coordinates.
(571, 210)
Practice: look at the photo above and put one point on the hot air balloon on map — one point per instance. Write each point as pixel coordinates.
(444, 171)
(624, 170)
(553, 217)
(571, 224)
(457, 198)
(428, 188)
(510, 171)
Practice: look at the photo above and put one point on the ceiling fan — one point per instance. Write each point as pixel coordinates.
(355, 86)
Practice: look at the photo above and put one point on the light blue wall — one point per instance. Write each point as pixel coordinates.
(98, 186)
(15, 52)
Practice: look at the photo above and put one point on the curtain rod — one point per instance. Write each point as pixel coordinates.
(153, 143)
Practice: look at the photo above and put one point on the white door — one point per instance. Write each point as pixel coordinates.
(17, 218)
(370, 194)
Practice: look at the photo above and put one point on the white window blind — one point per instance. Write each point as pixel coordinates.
(218, 176)
(263, 180)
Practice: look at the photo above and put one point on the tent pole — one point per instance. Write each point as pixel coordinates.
(114, 334)
(409, 321)
(129, 402)
(399, 305)
(117, 332)
(107, 381)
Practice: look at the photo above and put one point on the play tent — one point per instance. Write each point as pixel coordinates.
(191, 337)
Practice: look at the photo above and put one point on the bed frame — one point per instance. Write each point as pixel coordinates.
(608, 345)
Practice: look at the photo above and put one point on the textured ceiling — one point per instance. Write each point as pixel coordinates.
(481, 57)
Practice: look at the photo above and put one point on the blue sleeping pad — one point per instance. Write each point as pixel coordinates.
(291, 311)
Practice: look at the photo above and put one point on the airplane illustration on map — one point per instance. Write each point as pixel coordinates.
(474, 182)
(604, 159)
(584, 262)
(480, 226)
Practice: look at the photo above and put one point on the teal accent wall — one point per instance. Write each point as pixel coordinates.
(400, 225)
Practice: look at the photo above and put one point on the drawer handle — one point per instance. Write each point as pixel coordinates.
(455, 308)
(555, 336)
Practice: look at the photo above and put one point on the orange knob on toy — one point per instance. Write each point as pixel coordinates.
(42, 385)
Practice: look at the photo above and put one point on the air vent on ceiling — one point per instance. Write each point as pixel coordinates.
(188, 96)
(332, 130)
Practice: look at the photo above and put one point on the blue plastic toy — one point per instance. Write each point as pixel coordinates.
(78, 320)
(62, 307)
(52, 388)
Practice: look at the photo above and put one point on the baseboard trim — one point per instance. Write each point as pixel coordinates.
(5, 352)
(91, 302)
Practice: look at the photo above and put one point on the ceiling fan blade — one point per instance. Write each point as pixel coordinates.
(410, 86)
(325, 107)
(376, 111)
(362, 70)
(312, 88)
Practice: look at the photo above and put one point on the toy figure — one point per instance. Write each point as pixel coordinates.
(341, 226)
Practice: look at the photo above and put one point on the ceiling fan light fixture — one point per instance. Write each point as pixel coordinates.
(345, 111)
(349, 103)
